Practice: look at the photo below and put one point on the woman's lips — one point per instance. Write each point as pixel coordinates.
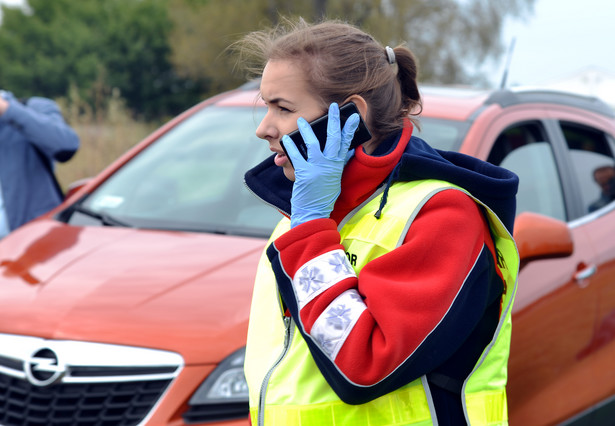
(280, 159)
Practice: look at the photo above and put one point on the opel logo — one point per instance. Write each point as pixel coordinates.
(43, 367)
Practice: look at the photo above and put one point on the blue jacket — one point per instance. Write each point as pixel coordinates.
(32, 137)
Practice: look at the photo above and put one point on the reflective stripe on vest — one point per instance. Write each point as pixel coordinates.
(285, 375)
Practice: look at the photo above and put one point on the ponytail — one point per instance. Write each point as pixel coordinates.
(407, 76)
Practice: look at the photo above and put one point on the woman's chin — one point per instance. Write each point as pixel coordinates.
(289, 172)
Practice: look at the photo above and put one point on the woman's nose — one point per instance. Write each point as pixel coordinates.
(265, 129)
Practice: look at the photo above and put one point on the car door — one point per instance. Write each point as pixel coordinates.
(555, 307)
(591, 152)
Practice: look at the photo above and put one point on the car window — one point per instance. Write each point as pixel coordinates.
(524, 150)
(442, 134)
(592, 163)
(192, 178)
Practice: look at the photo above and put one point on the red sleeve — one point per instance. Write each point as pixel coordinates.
(405, 294)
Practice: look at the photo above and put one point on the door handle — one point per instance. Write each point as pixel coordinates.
(582, 275)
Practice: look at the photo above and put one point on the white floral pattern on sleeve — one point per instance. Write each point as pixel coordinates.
(333, 326)
(319, 274)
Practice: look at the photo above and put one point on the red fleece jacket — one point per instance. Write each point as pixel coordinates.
(409, 291)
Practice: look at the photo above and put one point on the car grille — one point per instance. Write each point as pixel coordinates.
(89, 404)
(69, 383)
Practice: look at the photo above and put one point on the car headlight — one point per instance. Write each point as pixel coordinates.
(223, 395)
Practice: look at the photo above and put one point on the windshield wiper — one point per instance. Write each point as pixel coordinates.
(104, 218)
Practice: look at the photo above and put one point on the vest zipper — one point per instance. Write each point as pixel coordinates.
(288, 335)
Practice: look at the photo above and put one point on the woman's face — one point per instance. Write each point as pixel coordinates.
(288, 97)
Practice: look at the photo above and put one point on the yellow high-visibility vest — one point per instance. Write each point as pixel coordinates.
(287, 388)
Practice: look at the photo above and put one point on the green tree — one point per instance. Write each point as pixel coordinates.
(96, 46)
(451, 38)
(203, 29)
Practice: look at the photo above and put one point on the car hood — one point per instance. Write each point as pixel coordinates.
(176, 291)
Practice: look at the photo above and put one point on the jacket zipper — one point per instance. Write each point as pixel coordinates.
(289, 330)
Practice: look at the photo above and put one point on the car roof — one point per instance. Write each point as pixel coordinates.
(451, 102)
(458, 102)
(515, 96)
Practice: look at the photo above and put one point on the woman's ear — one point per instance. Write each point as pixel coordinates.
(360, 103)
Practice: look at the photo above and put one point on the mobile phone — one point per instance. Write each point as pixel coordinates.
(319, 126)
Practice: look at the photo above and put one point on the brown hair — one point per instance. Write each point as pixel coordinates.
(340, 60)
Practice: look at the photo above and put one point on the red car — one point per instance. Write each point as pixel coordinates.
(128, 304)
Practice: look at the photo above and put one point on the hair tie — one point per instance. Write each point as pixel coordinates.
(390, 55)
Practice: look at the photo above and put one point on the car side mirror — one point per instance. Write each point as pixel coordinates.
(541, 237)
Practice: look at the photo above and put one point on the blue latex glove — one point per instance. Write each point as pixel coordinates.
(318, 180)
(349, 156)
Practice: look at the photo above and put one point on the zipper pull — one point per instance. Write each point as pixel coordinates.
(287, 321)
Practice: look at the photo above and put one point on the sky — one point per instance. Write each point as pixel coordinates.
(560, 39)
(11, 2)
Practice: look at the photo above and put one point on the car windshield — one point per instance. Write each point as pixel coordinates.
(191, 178)
(446, 135)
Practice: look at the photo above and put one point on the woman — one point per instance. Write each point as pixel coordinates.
(386, 297)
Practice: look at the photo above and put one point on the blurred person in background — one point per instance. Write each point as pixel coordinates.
(33, 135)
(605, 178)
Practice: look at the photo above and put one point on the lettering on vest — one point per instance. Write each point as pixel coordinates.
(352, 258)
(500, 259)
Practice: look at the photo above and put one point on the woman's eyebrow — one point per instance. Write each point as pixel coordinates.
(274, 101)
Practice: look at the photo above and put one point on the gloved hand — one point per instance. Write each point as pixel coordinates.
(349, 156)
(318, 180)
